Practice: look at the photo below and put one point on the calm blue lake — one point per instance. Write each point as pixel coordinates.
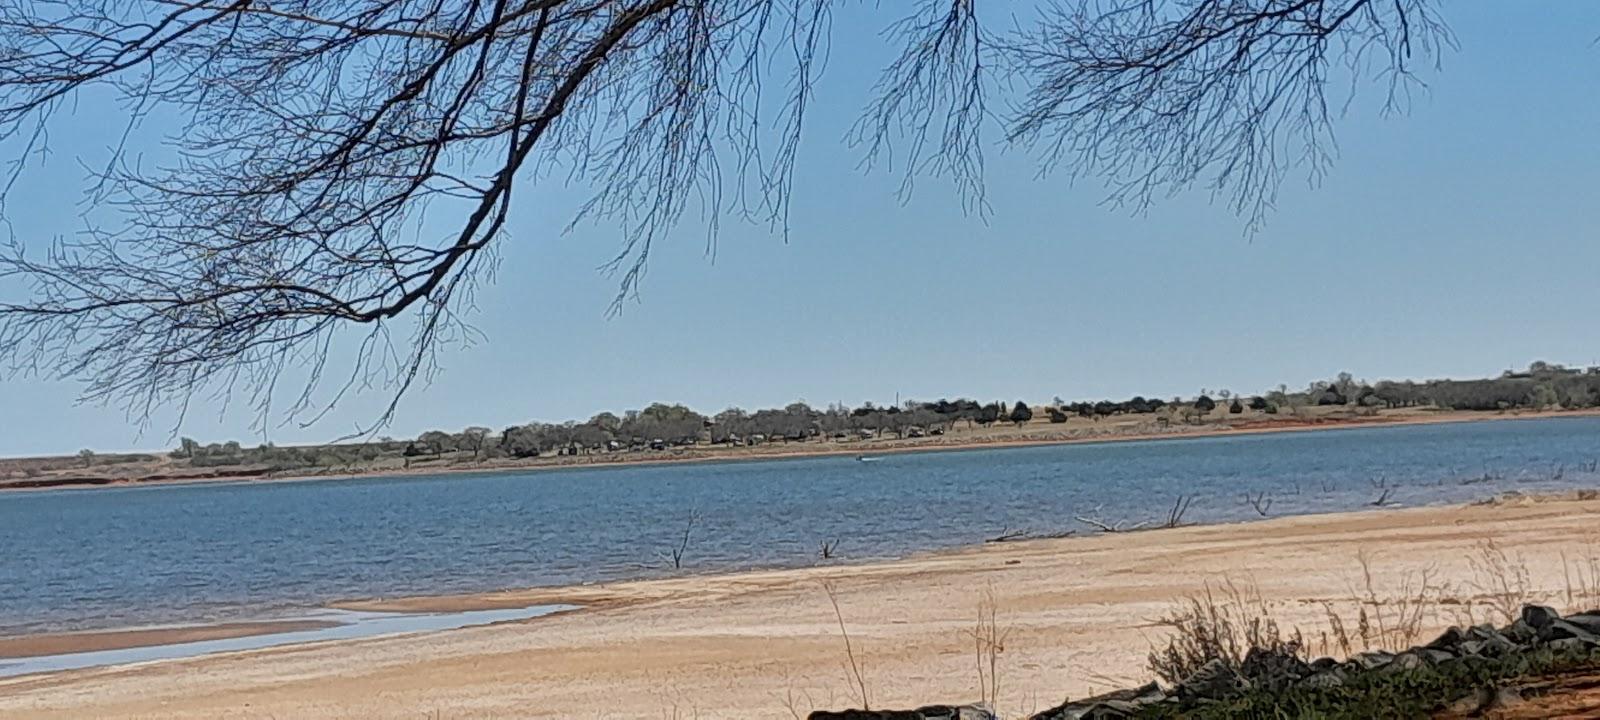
(80, 559)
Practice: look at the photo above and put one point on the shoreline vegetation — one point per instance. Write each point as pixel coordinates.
(673, 433)
(1067, 614)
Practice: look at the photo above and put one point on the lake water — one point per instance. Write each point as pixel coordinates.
(118, 557)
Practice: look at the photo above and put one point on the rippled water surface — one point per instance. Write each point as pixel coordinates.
(79, 559)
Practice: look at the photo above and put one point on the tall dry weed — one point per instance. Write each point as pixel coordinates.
(1502, 579)
(1222, 627)
(988, 644)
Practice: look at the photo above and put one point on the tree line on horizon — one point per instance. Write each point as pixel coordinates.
(661, 426)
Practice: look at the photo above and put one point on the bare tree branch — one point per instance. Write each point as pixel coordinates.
(341, 171)
(1156, 97)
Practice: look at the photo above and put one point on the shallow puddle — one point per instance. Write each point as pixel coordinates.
(350, 625)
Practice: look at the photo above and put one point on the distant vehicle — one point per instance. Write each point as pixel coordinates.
(658, 444)
(936, 431)
(915, 432)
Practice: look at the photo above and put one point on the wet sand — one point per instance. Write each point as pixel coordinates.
(79, 642)
(1078, 615)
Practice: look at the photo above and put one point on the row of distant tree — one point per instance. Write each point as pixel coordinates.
(661, 426)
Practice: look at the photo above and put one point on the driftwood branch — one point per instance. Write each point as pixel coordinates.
(683, 544)
(1260, 501)
(849, 649)
(1110, 527)
(1179, 508)
(1009, 535)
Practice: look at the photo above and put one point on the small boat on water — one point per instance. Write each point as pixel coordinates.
(863, 458)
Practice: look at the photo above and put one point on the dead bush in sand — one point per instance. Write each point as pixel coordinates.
(854, 666)
(1502, 579)
(1229, 623)
(1582, 576)
(988, 636)
(988, 643)
(1225, 627)
(1398, 618)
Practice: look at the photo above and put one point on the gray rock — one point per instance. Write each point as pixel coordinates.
(1435, 657)
(1213, 681)
(1589, 621)
(1324, 680)
(1521, 633)
(1403, 662)
(1109, 710)
(1483, 632)
(1118, 704)
(1450, 640)
(1494, 643)
(1538, 616)
(1372, 660)
(1563, 630)
(930, 712)
(1265, 669)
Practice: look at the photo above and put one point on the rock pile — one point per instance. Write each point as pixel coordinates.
(1539, 627)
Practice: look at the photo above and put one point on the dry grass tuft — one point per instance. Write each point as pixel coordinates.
(1396, 620)
(1226, 628)
(1502, 579)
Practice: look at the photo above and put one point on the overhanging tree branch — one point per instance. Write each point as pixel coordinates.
(316, 138)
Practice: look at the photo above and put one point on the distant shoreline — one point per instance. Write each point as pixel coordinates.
(803, 450)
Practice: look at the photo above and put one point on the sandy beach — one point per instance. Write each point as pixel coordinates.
(1078, 615)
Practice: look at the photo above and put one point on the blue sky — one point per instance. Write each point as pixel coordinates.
(1457, 240)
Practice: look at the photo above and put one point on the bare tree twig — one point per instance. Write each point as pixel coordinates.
(1260, 502)
(849, 649)
(1179, 508)
(683, 544)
